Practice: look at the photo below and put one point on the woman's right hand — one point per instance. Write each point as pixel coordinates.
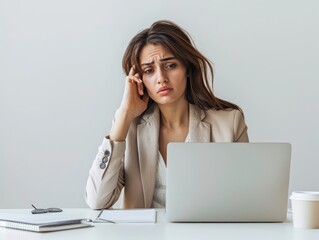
(135, 98)
(134, 103)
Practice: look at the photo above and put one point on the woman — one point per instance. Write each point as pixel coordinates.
(167, 98)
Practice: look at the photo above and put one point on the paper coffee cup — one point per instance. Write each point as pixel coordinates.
(305, 209)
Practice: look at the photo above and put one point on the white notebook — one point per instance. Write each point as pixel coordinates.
(41, 222)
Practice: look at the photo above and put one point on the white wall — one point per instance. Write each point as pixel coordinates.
(61, 81)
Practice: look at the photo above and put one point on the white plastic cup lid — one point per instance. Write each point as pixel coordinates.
(305, 195)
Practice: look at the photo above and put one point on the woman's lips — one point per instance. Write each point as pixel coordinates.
(164, 90)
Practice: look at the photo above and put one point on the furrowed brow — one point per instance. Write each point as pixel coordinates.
(167, 59)
(161, 60)
(147, 64)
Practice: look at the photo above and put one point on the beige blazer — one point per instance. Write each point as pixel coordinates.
(132, 163)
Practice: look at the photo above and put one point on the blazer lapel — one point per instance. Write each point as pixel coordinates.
(147, 142)
(199, 131)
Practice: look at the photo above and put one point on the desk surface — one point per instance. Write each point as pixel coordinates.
(165, 230)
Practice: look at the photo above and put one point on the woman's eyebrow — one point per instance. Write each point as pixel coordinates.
(161, 60)
(167, 59)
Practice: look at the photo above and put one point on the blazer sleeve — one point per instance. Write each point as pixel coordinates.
(240, 128)
(104, 185)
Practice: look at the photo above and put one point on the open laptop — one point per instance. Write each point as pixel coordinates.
(227, 182)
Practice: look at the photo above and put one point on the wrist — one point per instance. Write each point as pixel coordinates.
(125, 114)
(123, 120)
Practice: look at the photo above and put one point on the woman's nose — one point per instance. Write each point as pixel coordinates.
(161, 76)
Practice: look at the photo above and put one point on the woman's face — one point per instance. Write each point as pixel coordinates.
(163, 75)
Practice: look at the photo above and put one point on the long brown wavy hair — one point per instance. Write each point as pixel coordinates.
(180, 44)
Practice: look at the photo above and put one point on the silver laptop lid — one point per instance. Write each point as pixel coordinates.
(227, 182)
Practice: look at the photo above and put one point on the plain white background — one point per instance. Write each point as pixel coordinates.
(61, 82)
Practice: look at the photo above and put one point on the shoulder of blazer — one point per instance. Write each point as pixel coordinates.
(212, 115)
(222, 115)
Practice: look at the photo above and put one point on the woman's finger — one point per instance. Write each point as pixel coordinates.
(140, 87)
(131, 73)
(134, 79)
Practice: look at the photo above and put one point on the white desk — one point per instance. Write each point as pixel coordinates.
(164, 230)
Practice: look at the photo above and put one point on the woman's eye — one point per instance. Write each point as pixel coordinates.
(148, 71)
(171, 66)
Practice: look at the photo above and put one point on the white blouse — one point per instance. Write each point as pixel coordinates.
(159, 197)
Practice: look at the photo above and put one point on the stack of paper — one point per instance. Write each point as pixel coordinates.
(128, 215)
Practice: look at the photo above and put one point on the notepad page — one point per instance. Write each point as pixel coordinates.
(37, 219)
(129, 215)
